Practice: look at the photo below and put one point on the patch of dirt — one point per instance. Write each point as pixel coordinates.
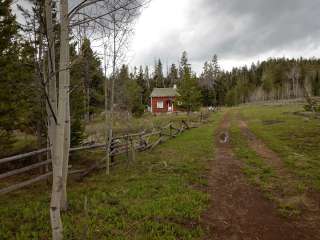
(238, 210)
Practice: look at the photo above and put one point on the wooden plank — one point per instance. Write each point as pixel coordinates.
(119, 145)
(167, 126)
(130, 135)
(34, 153)
(24, 169)
(24, 184)
(88, 147)
(174, 128)
(24, 155)
(76, 171)
(156, 143)
(118, 153)
(151, 134)
(31, 181)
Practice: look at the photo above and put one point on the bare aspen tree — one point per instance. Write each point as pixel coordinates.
(109, 117)
(96, 13)
(120, 30)
(59, 154)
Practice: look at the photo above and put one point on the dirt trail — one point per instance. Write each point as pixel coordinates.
(309, 201)
(257, 145)
(238, 210)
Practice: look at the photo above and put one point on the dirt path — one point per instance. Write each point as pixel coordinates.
(238, 210)
(308, 202)
(257, 145)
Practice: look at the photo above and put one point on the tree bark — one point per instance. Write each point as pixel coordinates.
(55, 218)
(51, 76)
(64, 103)
(65, 168)
(59, 149)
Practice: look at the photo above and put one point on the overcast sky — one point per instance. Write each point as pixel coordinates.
(239, 31)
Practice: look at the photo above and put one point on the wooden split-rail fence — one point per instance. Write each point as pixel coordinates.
(126, 144)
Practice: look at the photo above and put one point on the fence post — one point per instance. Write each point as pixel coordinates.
(132, 150)
(127, 149)
(108, 160)
(111, 150)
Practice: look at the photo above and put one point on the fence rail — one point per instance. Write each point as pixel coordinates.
(128, 144)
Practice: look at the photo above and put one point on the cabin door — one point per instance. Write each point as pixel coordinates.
(170, 106)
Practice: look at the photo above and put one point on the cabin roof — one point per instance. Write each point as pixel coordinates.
(164, 92)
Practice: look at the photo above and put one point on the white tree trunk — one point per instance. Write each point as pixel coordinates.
(107, 120)
(67, 122)
(60, 154)
(51, 76)
(64, 199)
(55, 218)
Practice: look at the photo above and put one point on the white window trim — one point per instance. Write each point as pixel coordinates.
(160, 104)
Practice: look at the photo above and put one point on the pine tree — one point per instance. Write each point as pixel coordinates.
(190, 95)
(128, 92)
(88, 70)
(87, 95)
(316, 84)
(184, 66)
(158, 78)
(215, 66)
(173, 75)
(10, 77)
(144, 95)
(146, 78)
(209, 82)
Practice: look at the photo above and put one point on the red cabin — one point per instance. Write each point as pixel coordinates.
(163, 100)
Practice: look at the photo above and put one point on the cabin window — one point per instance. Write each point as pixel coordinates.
(159, 104)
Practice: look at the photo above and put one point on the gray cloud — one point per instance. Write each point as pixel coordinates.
(237, 29)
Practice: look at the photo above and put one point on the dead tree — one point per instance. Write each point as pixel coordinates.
(120, 30)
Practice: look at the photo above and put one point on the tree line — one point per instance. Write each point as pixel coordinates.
(272, 79)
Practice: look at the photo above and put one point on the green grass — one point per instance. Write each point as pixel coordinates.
(255, 168)
(279, 128)
(295, 138)
(286, 193)
(158, 197)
